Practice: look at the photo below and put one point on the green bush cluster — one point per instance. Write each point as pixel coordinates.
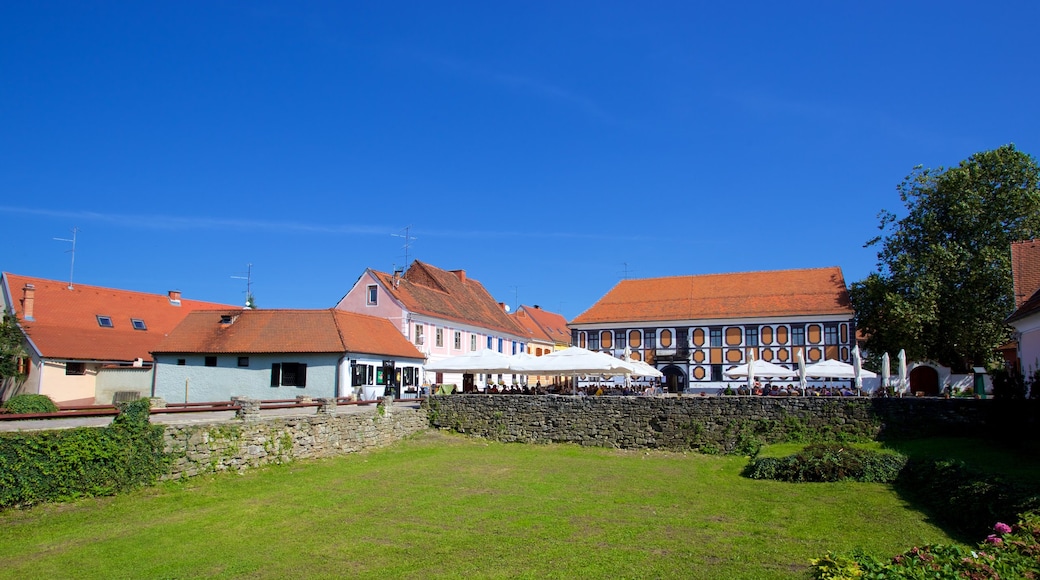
(965, 499)
(39, 466)
(1009, 552)
(30, 403)
(823, 462)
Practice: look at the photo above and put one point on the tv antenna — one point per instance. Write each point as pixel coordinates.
(72, 264)
(249, 284)
(516, 300)
(626, 272)
(408, 239)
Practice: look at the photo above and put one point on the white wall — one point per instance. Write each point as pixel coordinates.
(227, 379)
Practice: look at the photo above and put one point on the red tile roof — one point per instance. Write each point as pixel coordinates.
(65, 324)
(814, 292)
(286, 331)
(1025, 269)
(544, 325)
(448, 295)
(1029, 307)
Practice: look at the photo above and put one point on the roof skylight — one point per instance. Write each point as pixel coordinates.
(104, 321)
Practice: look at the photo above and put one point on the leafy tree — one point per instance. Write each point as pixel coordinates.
(11, 352)
(943, 286)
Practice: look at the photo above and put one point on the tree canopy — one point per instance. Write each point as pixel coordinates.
(11, 352)
(943, 286)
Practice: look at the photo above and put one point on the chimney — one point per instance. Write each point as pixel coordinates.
(461, 274)
(503, 306)
(175, 297)
(28, 301)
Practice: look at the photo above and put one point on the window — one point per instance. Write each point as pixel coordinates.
(798, 335)
(716, 370)
(75, 368)
(458, 340)
(751, 336)
(243, 361)
(104, 321)
(138, 324)
(211, 361)
(360, 375)
(650, 338)
(439, 336)
(715, 337)
(500, 345)
(514, 347)
(473, 342)
(289, 374)
(830, 334)
(373, 295)
(418, 334)
(593, 340)
(619, 339)
(181, 362)
(489, 342)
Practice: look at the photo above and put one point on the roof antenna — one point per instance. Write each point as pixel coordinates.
(250, 304)
(408, 239)
(72, 265)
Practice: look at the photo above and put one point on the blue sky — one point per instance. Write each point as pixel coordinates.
(547, 148)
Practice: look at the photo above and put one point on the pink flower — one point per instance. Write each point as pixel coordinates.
(1001, 528)
(993, 539)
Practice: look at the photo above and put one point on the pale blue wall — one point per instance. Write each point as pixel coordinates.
(227, 379)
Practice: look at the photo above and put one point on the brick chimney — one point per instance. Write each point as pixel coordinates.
(461, 274)
(28, 302)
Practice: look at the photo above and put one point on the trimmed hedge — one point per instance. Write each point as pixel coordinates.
(41, 466)
(823, 462)
(30, 403)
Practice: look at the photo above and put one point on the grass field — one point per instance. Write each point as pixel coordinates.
(449, 506)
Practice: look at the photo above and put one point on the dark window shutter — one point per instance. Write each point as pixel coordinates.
(301, 375)
(276, 374)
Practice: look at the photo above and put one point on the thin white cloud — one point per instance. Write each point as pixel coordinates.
(175, 223)
(524, 84)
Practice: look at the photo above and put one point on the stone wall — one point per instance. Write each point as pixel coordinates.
(717, 423)
(252, 440)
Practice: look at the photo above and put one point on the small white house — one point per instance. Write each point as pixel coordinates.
(281, 354)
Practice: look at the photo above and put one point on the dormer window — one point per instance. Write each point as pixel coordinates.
(104, 321)
(138, 324)
(226, 319)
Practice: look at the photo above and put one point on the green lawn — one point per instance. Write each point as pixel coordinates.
(442, 505)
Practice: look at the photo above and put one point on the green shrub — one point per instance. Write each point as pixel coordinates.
(29, 403)
(965, 499)
(39, 466)
(1009, 552)
(822, 462)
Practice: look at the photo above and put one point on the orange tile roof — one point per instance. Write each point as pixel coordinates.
(1025, 269)
(287, 331)
(65, 324)
(816, 291)
(546, 325)
(1027, 308)
(449, 295)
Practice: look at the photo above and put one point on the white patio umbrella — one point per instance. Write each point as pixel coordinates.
(857, 368)
(886, 370)
(760, 368)
(575, 361)
(802, 384)
(643, 369)
(751, 372)
(903, 383)
(835, 369)
(485, 361)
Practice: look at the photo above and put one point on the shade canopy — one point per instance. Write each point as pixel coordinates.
(760, 368)
(644, 370)
(835, 369)
(575, 361)
(484, 361)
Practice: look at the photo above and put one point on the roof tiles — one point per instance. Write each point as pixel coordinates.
(65, 324)
(815, 291)
(286, 331)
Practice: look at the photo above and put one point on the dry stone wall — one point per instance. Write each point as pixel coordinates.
(715, 423)
(252, 440)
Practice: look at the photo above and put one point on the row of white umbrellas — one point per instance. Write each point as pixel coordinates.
(569, 361)
(830, 368)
